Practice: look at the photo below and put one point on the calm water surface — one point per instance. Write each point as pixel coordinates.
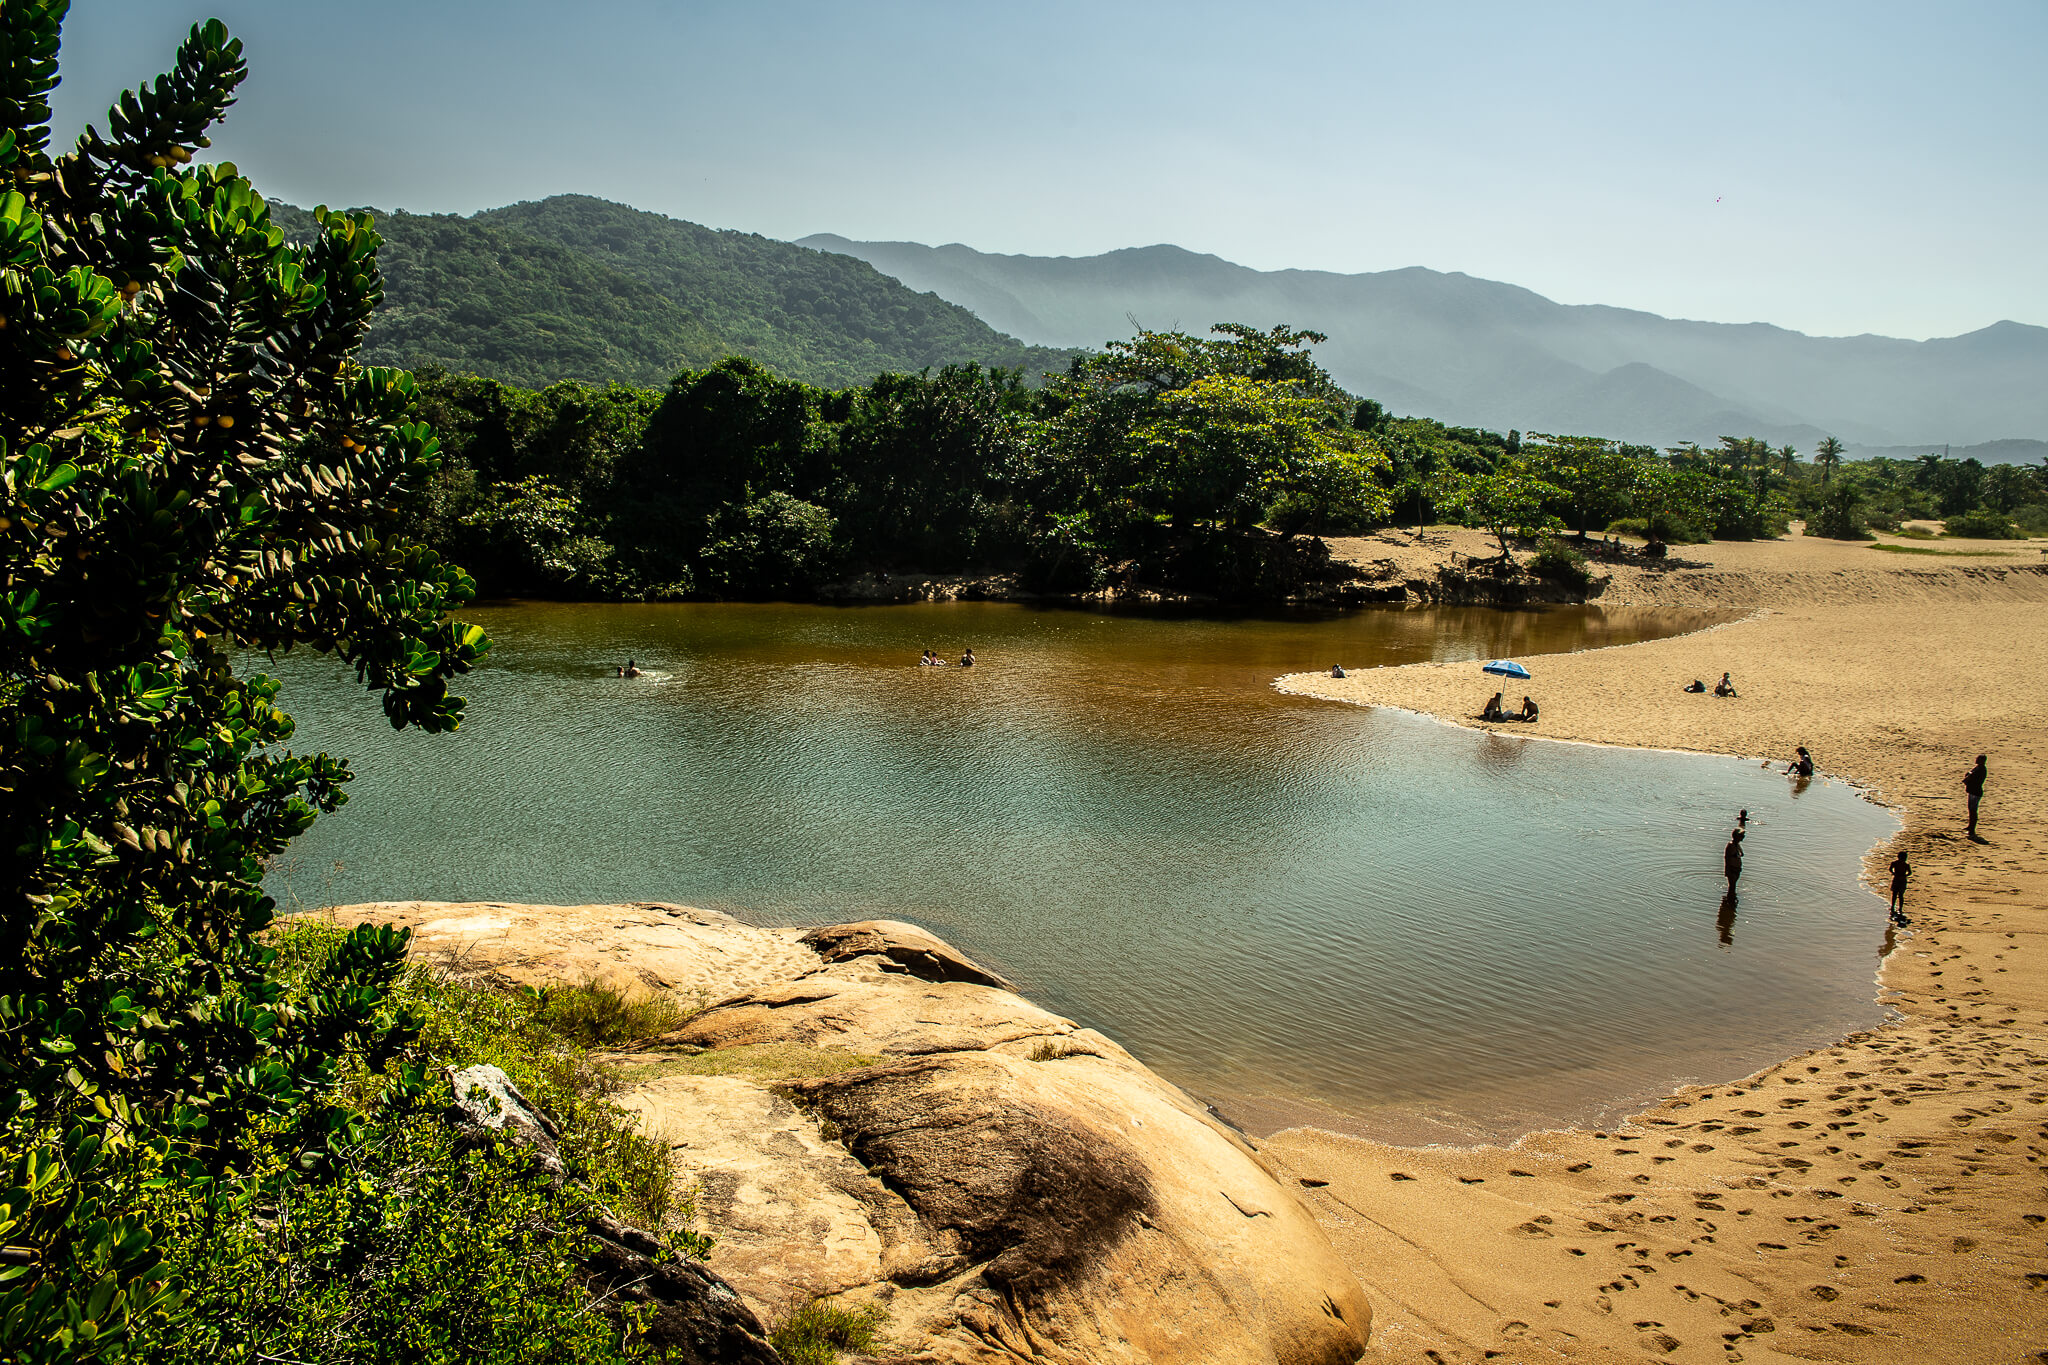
(1298, 910)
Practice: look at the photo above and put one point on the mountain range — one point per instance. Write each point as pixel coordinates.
(573, 287)
(1480, 353)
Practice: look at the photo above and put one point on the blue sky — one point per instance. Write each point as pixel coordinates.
(1838, 168)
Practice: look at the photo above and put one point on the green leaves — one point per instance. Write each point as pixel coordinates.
(192, 468)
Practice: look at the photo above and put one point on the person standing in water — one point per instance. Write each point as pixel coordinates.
(1901, 870)
(967, 659)
(1731, 860)
(1973, 787)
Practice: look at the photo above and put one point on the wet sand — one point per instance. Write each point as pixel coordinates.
(1879, 1200)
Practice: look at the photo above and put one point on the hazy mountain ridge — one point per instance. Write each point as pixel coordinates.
(1484, 353)
(579, 288)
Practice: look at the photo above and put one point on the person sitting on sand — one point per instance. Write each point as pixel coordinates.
(1802, 766)
(1492, 711)
(1336, 670)
(967, 659)
(1528, 708)
(1901, 870)
(1725, 688)
(1695, 686)
(632, 670)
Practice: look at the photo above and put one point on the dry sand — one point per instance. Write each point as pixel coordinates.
(1879, 1200)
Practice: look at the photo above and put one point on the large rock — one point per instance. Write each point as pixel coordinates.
(1090, 1214)
(868, 1114)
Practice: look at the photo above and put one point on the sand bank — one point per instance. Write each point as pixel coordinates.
(1880, 1200)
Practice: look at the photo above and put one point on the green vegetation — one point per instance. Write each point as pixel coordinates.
(1930, 550)
(221, 1141)
(816, 1333)
(574, 288)
(1559, 562)
(418, 1247)
(760, 1061)
(1981, 523)
(594, 1014)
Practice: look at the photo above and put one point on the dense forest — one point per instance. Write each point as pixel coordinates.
(579, 288)
(1182, 464)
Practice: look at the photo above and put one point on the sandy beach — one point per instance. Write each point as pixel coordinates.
(1879, 1200)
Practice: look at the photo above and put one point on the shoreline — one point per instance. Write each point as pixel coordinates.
(1739, 1219)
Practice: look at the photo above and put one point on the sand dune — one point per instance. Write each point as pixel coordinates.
(1881, 1200)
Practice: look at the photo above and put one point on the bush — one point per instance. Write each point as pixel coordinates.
(422, 1250)
(2033, 519)
(1558, 562)
(816, 1333)
(596, 1015)
(1982, 524)
(1664, 526)
(1840, 516)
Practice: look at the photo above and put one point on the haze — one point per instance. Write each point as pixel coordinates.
(1833, 168)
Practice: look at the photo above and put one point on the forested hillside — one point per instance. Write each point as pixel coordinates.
(578, 288)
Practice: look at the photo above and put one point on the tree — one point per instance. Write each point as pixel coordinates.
(1167, 438)
(1599, 477)
(193, 470)
(1508, 500)
(1827, 455)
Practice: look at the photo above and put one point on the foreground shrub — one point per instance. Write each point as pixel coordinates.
(597, 1015)
(194, 471)
(1982, 524)
(421, 1249)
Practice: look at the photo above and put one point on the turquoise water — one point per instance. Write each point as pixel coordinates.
(1297, 910)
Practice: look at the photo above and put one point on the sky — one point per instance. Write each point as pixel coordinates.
(1837, 168)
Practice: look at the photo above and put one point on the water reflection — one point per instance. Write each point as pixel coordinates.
(1725, 921)
(1271, 899)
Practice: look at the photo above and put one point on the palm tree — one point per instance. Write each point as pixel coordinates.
(1787, 457)
(1827, 455)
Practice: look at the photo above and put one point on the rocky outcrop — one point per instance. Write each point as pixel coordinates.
(882, 1120)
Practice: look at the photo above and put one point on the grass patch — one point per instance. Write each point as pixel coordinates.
(597, 1015)
(756, 1061)
(1927, 550)
(816, 1333)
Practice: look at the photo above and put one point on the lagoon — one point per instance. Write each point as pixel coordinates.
(1299, 911)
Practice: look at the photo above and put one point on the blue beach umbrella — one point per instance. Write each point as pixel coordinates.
(1507, 668)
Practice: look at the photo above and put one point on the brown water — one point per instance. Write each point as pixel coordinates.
(1296, 909)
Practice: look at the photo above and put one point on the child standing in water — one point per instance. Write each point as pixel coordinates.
(1731, 860)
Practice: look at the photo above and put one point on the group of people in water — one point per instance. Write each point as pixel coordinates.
(629, 669)
(1901, 868)
(1496, 711)
(1723, 688)
(933, 659)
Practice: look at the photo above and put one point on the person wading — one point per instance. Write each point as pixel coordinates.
(1973, 787)
(1731, 860)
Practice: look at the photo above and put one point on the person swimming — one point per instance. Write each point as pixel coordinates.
(631, 670)
(967, 659)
